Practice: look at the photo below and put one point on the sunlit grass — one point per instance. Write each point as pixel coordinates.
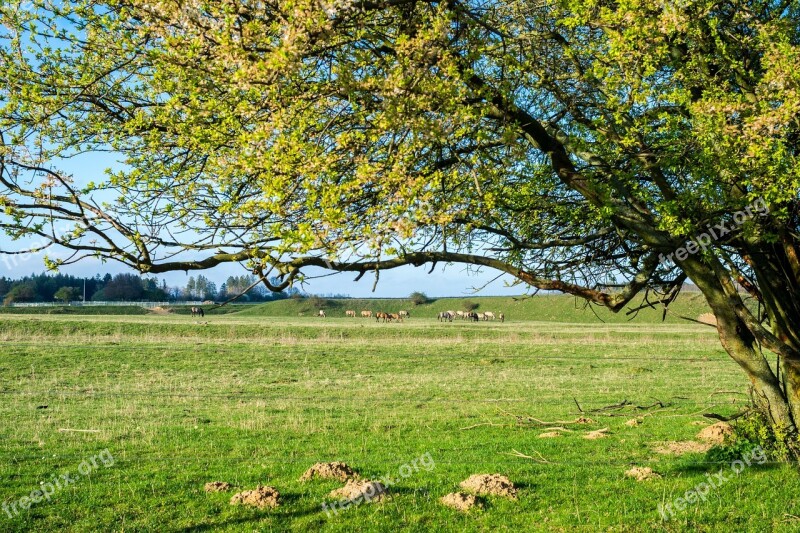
(256, 400)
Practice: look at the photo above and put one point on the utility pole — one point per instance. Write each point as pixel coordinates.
(84, 290)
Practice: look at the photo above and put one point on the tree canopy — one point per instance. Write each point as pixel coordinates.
(586, 146)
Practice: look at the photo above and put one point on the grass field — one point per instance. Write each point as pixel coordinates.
(258, 396)
(550, 308)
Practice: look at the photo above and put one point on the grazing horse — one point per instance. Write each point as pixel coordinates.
(198, 311)
(461, 314)
(395, 316)
(379, 315)
(501, 317)
(366, 314)
(404, 314)
(489, 315)
(446, 316)
(321, 313)
(350, 313)
(473, 316)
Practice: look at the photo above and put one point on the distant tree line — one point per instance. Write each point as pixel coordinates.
(129, 287)
(236, 285)
(65, 288)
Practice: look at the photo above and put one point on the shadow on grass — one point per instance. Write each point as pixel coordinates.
(257, 515)
(701, 465)
(297, 510)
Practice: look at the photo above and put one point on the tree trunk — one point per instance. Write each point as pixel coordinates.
(778, 275)
(791, 381)
(740, 343)
(770, 398)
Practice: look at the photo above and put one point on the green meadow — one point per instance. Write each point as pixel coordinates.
(254, 395)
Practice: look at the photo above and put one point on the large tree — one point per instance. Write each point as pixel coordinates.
(607, 149)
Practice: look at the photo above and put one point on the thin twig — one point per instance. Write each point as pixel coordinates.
(539, 459)
(579, 405)
(482, 424)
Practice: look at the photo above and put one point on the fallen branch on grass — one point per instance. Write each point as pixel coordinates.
(726, 418)
(481, 424)
(628, 404)
(539, 459)
(658, 403)
(533, 421)
(611, 407)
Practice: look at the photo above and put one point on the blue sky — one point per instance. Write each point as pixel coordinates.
(452, 280)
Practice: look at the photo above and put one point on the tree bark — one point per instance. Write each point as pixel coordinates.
(782, 409)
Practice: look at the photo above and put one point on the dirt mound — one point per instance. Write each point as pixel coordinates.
(597, 434)
(160, 311)
(708, 318)
(584, 420)
(641, 473)
(633, 422)
(680, 448)
(354, 490)
(260, 497)
(550, 435)
(460, 501)
(335, 470)
(716, 434)
(490, 485)
(217, 486)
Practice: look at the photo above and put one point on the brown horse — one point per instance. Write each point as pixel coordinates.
(198, 311)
